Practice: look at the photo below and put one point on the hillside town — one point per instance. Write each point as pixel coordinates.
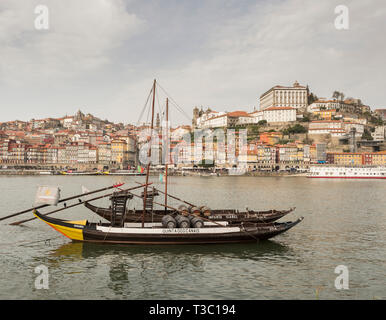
(291, 129)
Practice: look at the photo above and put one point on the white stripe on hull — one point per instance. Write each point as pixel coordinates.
(168, 231)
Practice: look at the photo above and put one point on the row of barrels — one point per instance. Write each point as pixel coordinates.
(195, 211)
(180, 221)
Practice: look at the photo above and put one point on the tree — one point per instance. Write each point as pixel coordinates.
(262, 122)
(297, 128)
(253, 130)
(283, 141)
(312, 98)
(367, 135)
(338, 95)
(306, 117)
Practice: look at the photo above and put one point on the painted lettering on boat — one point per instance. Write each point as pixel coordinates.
(230, 216)
(181, 230)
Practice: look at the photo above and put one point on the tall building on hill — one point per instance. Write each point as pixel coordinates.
(280, 96)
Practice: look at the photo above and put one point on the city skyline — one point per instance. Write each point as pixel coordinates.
(101, 56)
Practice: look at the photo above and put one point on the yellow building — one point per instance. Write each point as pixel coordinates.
(348, 158)
(300, 154)
(325, 114)
(379, 158)
(118, 151)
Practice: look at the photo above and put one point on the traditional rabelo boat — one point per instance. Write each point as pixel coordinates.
(232, 216)
(133, 233)
(189, 225)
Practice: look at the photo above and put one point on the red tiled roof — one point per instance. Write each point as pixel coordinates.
(238, 114)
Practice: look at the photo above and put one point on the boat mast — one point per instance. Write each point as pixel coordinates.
(167, 154)
(149, 156)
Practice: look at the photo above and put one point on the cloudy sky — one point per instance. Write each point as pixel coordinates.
(101, 56)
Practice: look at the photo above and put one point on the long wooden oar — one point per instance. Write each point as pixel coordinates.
(73, 205)
(67, 199)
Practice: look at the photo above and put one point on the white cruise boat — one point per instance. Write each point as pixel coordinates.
(347, 172)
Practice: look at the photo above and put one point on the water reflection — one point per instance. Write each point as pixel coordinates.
(189, 254)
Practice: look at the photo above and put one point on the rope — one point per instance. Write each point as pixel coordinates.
(144, 107)
(174, 102)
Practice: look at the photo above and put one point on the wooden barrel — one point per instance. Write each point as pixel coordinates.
(205, 211)
(182, 221)
(196, 222)
(169, 222)
(195, 211)
(182, 209)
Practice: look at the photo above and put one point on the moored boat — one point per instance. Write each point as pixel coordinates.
(347, 172)
(230, 215)
(82, 230)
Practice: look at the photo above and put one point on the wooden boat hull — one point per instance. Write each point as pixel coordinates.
(92, 232)
(231, 216)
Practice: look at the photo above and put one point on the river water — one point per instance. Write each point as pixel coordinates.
(344, 224)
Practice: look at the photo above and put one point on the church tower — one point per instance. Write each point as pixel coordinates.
(196, 114)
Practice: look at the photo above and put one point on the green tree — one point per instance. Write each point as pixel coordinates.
(312, 98)
(297, 128)
(367, 135)
(306, 117)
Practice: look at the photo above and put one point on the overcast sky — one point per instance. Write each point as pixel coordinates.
(101, 56)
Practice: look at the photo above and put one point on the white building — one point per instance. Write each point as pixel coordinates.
(229, 119)
(335, 128)
(257, 116)
(179, 132)
(201, 121)
(323, 104)
(326, 124)
(379, 133)
(331, 131)
(294, 97)
(332, 104)
(246, 119)
(359, 128)
(67, 122)
(279, 114)
(62, 157)
(215, 122)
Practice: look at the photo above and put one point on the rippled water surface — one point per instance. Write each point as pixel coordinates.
(344, 225)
